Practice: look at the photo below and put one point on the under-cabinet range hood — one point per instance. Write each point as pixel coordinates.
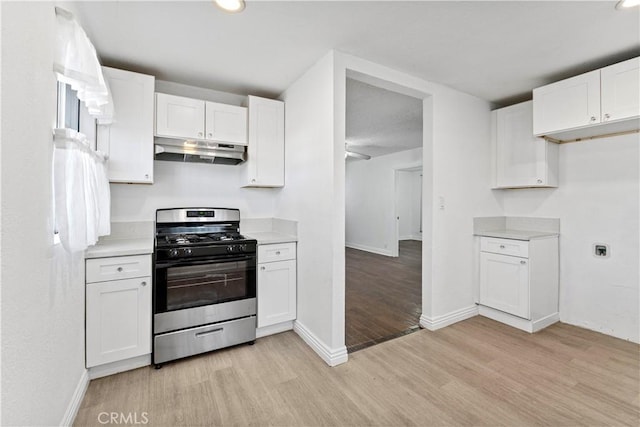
(198, 152)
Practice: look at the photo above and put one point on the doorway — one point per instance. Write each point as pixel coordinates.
(383, 203)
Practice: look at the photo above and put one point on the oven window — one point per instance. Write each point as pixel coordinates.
(197, 285)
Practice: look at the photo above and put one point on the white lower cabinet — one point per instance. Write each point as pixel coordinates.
(118, 312)
(276, 285)
(504, 283)
(519, 281)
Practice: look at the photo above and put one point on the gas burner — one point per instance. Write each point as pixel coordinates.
(194, 239)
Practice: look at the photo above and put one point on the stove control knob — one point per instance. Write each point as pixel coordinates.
(173, 253)
(229, 249)
(188, 251)
(243, 248)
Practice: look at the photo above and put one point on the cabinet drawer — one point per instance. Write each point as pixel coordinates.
(116, 268)
(519, 248)
(276, 252)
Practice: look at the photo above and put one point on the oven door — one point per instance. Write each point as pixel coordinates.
(187, 284)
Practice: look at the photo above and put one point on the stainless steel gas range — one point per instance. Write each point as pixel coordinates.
(204, 295)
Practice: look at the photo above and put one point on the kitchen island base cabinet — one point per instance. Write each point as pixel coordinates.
(276, 288)
(118, 312)
(519, 281)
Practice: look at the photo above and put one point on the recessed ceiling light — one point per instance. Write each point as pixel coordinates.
(626, 4)
(232, 6)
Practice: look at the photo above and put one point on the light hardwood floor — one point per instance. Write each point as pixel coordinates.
(383, 295)
(476, 372)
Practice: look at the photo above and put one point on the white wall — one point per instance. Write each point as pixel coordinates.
(178, 184)
(370, 200)
(42, 287)
(597, 201)
(309, 198)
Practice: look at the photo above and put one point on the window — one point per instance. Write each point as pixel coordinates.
(68, 115)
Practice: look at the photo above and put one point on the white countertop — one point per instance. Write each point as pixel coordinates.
(120, 247)
(516, 234)
(270, 237)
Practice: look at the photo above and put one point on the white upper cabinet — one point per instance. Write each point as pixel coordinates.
(520, 159)
(265, 154)
(621, 90)
(226, 123)
(567, 104)
(179, 117)
(188, 118)
(601, 102)
(128, 141)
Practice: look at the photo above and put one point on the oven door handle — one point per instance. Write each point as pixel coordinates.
(187, 262)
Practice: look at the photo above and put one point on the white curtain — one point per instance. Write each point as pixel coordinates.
(81, 187)
(76, 64)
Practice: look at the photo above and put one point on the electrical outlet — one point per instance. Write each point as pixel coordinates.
(601, 250)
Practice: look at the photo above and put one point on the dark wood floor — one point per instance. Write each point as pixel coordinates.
(383, 295)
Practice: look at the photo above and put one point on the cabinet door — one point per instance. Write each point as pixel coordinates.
(504, 283)
(118, 320)
(567, 104)
(621, 90)
(179, 117)
(226, 123)
(129, 139)
(276, 292)
(521, 158)
(265, 162)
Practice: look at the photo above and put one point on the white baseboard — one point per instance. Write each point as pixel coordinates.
(518, 322)
(119, 366)
(76, 400)
(332, 357)
(438, 322)
(386, 252)
(274, 329)
(546, 321)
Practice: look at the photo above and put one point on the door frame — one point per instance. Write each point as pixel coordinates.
(413, 167)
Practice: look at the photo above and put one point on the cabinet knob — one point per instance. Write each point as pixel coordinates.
(253, 180)
(277, 252)
(119, 269)
(592, 119)
(144, 283)
(606, 117)
(210, 135)
(146, 175)
(501, 246)
(263, 268)
(539, 181)
(523, 262)
(200, 134)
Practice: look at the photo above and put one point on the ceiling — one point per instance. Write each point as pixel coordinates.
(381, 122)
(496, 50)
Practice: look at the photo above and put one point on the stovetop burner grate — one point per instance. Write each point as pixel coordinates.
(195, 239)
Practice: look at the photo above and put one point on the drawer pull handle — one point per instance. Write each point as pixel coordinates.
(205, 333)
(144, 283)
(523, 262)
(119, 269)
(263, 268)
(277, 252)
(501, 246)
